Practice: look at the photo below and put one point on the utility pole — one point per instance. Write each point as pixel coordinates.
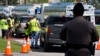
(25, 2)
(12, 2)
(6, 2)
(19, 2)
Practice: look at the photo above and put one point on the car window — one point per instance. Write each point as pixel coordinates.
(24, 19)
(87, 18)
(57, 20)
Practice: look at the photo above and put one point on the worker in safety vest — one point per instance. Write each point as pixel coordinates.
(35, 31)
(11, 24)
(5, 27)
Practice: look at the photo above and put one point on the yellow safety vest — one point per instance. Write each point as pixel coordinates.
(4, 24)
(11, 22)
(27, 31)
(17, 23)
(34, 25)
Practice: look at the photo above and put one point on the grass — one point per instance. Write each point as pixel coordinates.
(15, 47)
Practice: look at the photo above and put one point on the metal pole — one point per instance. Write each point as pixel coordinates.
(12, 2)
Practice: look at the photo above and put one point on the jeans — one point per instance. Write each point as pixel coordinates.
(34, 38)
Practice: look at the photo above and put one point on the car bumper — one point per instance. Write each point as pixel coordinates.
(56, 41)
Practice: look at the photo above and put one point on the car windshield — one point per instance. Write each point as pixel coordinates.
(57, 20)
(87, 18)
(23, 20)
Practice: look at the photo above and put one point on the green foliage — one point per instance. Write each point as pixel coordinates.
(43, 1)
(8, 2)
(15, 2)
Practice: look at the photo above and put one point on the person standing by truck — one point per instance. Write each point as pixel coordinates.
(11, 22)
(79, 34)
(35, 29)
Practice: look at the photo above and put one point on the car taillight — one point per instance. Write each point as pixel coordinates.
(49, 30)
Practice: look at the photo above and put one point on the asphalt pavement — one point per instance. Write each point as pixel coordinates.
(40, 51)
(33, 52)
(18, 53)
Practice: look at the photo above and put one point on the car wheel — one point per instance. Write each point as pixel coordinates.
(47, 47)
(63, 48)
(41, 41)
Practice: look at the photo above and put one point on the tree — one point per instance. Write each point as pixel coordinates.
(8, 2)
(2, 2)
(12, 2)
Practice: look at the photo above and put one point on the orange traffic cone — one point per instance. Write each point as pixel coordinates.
(28, 43)
(98, 45)
(8, 51)
(24, 47)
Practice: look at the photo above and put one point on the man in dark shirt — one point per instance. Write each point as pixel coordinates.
(79, 34)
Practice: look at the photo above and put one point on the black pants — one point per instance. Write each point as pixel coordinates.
(80, 49)
(5, 33)
(78, 52)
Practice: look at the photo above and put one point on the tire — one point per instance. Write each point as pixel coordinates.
(41, 41)
(41, 44)
(47, 47)
(63, 48)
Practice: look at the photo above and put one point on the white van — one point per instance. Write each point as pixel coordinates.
(8, 10)
(36, 10)
(88, 14)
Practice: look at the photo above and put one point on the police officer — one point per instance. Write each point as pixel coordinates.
(79, 34)
(5, 27)
(35, 31)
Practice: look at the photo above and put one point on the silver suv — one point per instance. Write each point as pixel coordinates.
(20, 29)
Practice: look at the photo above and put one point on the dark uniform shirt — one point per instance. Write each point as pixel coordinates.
(79, 31)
